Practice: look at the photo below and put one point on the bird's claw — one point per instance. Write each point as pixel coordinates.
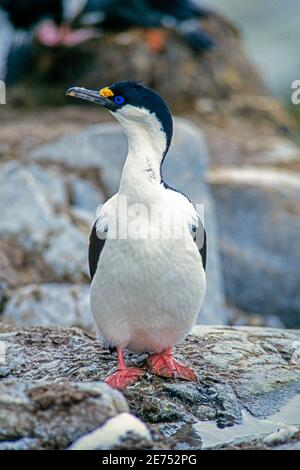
(165, 365)
(124, 377)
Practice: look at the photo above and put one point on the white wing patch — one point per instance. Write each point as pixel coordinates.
(184, 208)
(103, 214)
(177, 205)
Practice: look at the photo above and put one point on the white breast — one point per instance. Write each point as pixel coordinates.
(147, 293)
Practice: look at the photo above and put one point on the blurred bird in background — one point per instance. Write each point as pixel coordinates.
(23, 21)
(67, 23)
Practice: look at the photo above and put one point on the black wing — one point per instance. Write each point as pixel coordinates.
(95, 247)
(203, 249)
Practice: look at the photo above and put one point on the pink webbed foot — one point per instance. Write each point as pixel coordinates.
(165, 365)
(122, 378)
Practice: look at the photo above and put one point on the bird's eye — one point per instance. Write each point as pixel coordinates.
(119, 99)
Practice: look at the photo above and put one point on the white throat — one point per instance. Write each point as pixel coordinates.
(147, 144)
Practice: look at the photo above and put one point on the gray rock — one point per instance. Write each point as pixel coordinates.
(277, 151)
(217, 401)
(29, 198)
(54, 414)
(281, 435)
(66, 253)
(258, 212)
(82, 218)
(49, 304)
(104, 147)
(259, 377)
(84, 194)
(229, 411)
(100, 146)
(25, 209)
(52, 183)
(25, 443)
(187, 392)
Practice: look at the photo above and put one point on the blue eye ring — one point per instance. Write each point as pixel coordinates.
(119, 99)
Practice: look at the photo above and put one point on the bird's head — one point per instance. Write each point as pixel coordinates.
(135, 106)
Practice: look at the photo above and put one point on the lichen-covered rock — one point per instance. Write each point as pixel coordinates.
(258, 212)
(19, 267)
(241, 371)
(47, 415)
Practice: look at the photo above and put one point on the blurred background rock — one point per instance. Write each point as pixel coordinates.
(235, 149)
(270, 30)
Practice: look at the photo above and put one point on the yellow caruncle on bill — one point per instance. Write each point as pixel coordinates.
(106, 92)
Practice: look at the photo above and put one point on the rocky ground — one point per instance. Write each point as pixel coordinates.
(51, 394)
